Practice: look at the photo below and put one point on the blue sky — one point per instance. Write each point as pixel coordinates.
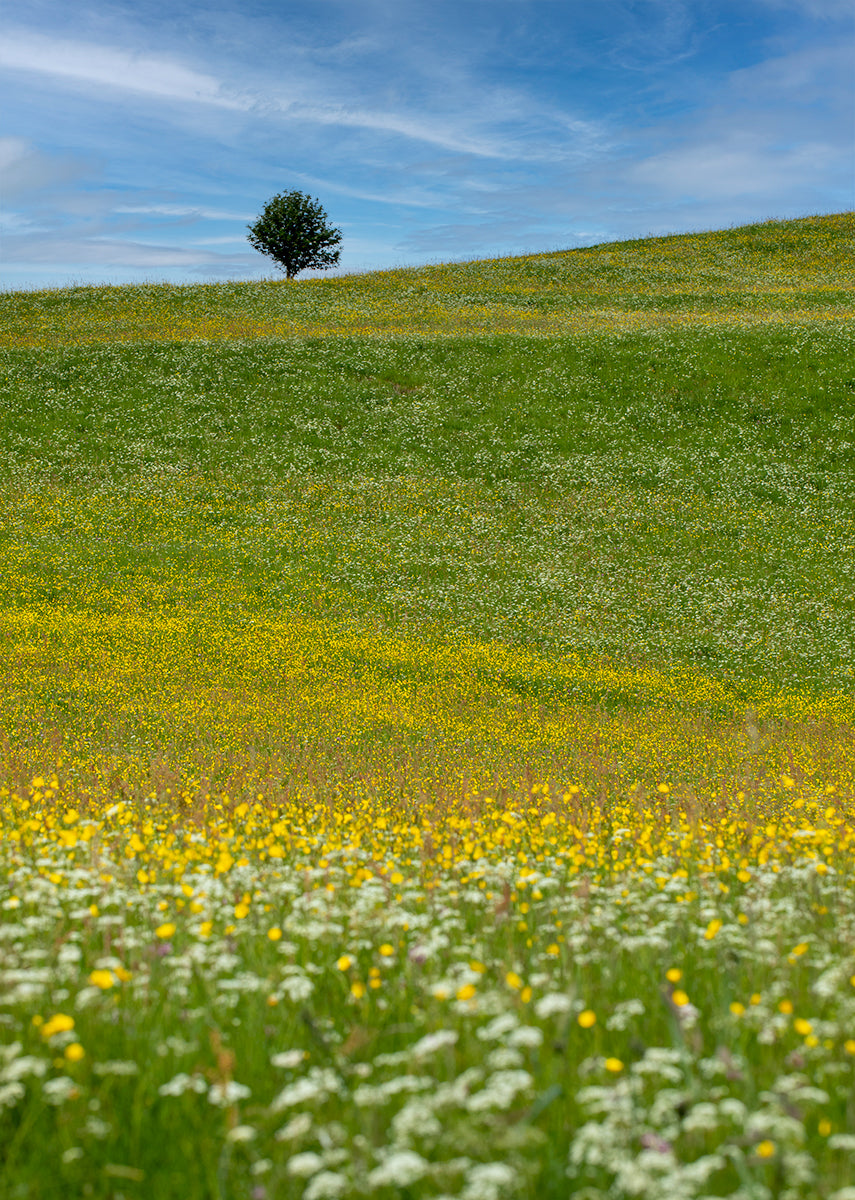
(139, 139)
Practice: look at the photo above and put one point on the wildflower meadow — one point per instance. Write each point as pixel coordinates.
(427, 730)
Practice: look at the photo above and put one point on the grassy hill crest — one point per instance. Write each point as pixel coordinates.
(762, 273)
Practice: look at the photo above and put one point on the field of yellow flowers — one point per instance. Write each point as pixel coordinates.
(427, 730)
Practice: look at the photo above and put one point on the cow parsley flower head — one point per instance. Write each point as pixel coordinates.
(225, 1094)
(400, 1169)
(553, 1004)
(488, 1181)
(304, 1165)
(326, 1185)
(432, 1042)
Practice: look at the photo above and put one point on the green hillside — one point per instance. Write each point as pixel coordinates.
(427, 730)
(777, 271)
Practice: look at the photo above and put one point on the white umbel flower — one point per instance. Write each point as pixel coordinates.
(488, 1181)
(304, 1165)
(400, 1169)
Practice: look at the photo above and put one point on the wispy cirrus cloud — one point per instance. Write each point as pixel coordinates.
(102, 252)
(199, 213)
(166, 78)
(96, 67)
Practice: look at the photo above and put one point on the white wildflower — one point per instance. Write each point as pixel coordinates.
(96, 1127)
(660, 1063)
(370, 1096)
(733, 1109)
(553, 1004)
(415, 1120)
(592, 1145)
(328, 1185)
(688, 1016)
(332, 1134)
(59, 1089)
(304, 1165)
(392, 1060)
(400, 1169)
(703, 1118)
(318, 1085)
(297, 988)
(454, 1094)
(177, 1045)
(809, 1095)
(88, 997)
(10, 1094)
(20, 1068)
(842, 1141)
(623, 1014)
(241, 1133)
(643, 1174)
(699, 1171)
(504, 1058)
(244, 981)
(775, 1125)
(9, 1053)
(488, 1181)
(432, 1042)
(500, 1091)
(527, 1035)
(288, 1059)
(182, 1083)
(498, 1027)
(296, 1128)
(224, 1094)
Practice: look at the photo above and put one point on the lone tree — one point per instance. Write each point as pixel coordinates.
(293, 231)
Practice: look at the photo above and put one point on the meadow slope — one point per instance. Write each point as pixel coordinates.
(427, 729)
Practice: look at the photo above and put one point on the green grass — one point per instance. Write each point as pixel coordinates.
(697, 488)
(461, 653)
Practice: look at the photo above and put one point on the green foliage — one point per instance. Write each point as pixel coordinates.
(293, 231)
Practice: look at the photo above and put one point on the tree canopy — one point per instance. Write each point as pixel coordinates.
(292, 230)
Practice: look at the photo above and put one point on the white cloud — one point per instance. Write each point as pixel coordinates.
(738, 165)
(110, 66)
(182, 210)
(12, 150)
(228, 240)
(497, 126)
(816, 75)
(436, 132)
(102, 251)
(406, 199)
(26, 169)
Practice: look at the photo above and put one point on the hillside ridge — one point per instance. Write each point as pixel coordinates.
(772, 271)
